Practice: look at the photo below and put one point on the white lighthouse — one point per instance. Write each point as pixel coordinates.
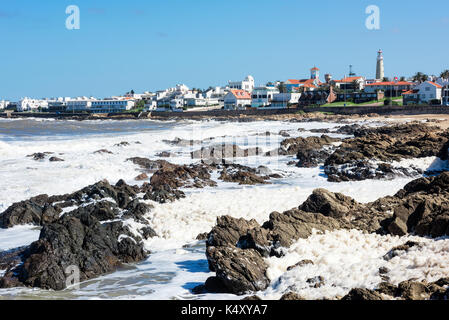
(380, 70)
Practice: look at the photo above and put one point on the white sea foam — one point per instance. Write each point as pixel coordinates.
(351, 259)
(18, 236)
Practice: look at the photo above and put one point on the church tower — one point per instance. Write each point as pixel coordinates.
(380, 70)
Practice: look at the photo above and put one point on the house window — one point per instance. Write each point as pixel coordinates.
(427, 89)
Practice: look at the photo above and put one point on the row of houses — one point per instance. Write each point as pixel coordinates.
(237, 95)
(80, 104)
(359, 89)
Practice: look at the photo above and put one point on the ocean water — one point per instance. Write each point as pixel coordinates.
(178, 262)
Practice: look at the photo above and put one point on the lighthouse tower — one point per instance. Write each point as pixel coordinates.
(380, 70)
(315, 73)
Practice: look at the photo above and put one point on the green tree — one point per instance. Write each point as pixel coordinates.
(282, 88)
(420, 77)
(445, 74)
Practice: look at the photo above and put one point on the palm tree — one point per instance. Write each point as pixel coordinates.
(445, 74)
(420, 77)
(355, 85)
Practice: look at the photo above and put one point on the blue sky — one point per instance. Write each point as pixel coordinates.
(153, 44)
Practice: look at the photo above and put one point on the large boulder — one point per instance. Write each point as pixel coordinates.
(82, 239)
(240, 271)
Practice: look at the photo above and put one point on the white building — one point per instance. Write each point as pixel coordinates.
(237, 100)
(429, 91)
(3, 104)
(27, 104)
(263, 96)
(79, 105)
(111, 106)
(247, 84)
(283, 100)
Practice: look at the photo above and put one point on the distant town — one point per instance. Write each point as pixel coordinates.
(420, 89)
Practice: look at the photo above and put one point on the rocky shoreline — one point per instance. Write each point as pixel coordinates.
(236, 248)
(101, 227)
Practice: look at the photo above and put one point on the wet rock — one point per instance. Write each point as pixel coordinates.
(215, 285)
(166, 154)
(103, 151)
(362, 294)
(291, 296)
(80, 240)
(423, 208)
(252, 298)
(330, 204)
(122, 144)
(148, 233)
(300, 264)
(367, 156)
(141, 177)
(225, 151)
(240, 271)
(294, 145)
(350, 129)
(229, 230)
(242, 177)
(284, 133)
(316, 282)
(202, 236)
(410, 290)
(56, 159)
(387, 289)
(181, 142)
(148, 165)
(32, 211)
(39, 155)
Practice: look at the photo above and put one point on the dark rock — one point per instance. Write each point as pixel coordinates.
(252, 298)
(410, 290)
(229, 230)
(77, 239)
(103, 151)
(362, 294)
(224, 151)
(300, 264)
(122, 144)
(148, 233)
(166, 154)
(240, 271)
(56, 159)
(200, 289)
(202, 236)
(39, 156)
(32, 211)
(215, 285)
(181, 142)
(353, 159)
(291, 296)
(141, 177)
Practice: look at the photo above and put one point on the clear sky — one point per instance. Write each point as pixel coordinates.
(153, 44)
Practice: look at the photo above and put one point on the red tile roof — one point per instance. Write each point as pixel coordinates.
(435, 84)
(410, 92)
(391, 83)
(241, 94)
(348, 79)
